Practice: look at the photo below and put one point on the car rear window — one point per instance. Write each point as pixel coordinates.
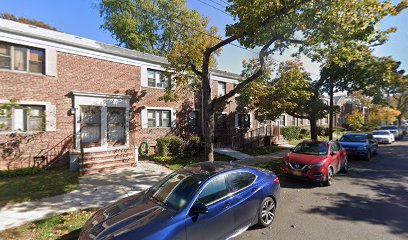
(353, 138)
(311, 148)
(240, 180)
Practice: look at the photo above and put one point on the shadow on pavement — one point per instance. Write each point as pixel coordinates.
(386, 175)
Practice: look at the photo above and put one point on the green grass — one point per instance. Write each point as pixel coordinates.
(175, 163)
(30, 187)
(272, 165)
(65, 226)
(257, 151)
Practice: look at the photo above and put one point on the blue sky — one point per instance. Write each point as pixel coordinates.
(81, 17)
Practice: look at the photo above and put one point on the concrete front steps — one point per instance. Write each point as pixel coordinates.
(101, 161)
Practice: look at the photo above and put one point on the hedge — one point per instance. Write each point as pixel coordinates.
(170, 146)
(291, 133)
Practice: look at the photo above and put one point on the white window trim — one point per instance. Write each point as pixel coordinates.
(103, 100)
(218, 88)
(50, 115)
(144, 117)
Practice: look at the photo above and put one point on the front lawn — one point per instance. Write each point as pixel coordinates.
(257, 151)
(175, 163)
(273, 166)
(65, 226)
(20, 188)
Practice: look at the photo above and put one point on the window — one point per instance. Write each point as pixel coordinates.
(301, 121)
(215, 190)
(240, 180)
(326, 120)
(156, 78)
(221, 89)
(222, 121)
(5, 120)
(192, 118)
(244, 120)
(282, 120)
(293, 121)
(158, 118)
(22, 118)
(21, 58)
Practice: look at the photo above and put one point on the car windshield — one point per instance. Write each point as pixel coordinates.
(380, 133)
(177, 189)
(353, 138)
(311, 148)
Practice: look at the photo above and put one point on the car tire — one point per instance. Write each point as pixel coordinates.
(329, 178)
(345, 167)
(266, 212)
(368, 157)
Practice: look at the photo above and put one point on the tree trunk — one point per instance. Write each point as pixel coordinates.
(313, 128)
(208, 119)
(331, 120)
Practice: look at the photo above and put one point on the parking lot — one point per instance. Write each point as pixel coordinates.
(370, 202)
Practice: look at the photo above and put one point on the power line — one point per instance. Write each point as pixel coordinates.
(212, 6)
(219, 4)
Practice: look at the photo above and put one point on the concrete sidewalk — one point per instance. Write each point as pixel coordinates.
(255, 160)
(95, 190)
(233, 153)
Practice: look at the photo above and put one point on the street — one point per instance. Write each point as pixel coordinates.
(370, 202)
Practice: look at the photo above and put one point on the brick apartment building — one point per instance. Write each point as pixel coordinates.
(95, 103)
(76, 95)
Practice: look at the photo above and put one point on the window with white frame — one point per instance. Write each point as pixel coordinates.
(244, 120)
(156, 78)
(24, 118)
(222, 89)
(192, 118)
(158, 118)
(282, 120)
(293, 122)
(21, 58)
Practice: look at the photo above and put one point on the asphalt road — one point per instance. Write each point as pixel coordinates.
(370, 202)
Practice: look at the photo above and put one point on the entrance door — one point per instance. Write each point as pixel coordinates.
(116, 126)
(90, 126)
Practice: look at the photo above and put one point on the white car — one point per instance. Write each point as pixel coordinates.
(384, 136)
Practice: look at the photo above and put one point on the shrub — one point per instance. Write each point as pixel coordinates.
(195, 144)
(21, 172)
(170, 146)
(323, 131)
(291, 133)
(304, 133)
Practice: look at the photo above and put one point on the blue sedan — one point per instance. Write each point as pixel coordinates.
(201, 201)
(359, 145)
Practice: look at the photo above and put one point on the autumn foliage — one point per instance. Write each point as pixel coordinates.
(33, 22)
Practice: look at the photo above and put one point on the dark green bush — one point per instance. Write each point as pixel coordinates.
(196, 144)
(291, 133)
(322, 131)
(21, 172)
(170, 146)
(304, 133)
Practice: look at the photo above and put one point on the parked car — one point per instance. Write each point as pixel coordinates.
(359, 145)
(398, 133)
(316, 160)
(201, 201)
(383, 136)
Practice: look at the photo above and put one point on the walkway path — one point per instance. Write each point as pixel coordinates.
(95, 190)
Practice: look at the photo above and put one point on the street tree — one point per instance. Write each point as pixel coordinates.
(272, 25)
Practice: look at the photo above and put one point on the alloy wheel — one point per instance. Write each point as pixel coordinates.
(268, 211)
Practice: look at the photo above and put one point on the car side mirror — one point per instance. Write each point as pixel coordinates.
(291, 149)
(199, 208)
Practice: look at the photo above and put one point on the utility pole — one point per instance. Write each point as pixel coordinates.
(331, 109)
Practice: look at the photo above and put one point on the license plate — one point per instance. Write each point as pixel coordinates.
(297, 173)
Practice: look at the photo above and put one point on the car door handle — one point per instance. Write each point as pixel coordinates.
(227, 205)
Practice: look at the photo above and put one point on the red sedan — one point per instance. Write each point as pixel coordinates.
(316, 160)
